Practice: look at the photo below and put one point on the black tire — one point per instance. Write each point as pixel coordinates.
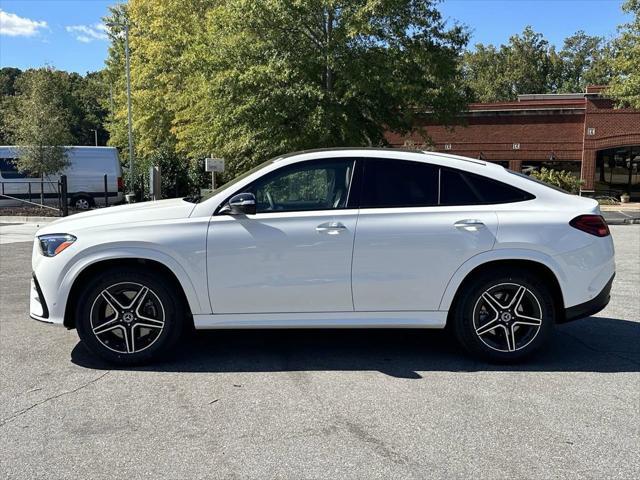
(499, 334)
(81, 202)
(134, 335)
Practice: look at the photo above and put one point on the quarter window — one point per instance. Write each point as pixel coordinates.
(464, 188)
(320, 185)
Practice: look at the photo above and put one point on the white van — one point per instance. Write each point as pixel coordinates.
(85, 179)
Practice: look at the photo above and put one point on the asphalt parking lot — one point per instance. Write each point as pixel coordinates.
(323, 404)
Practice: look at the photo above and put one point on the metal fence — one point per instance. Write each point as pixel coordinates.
(35, 192)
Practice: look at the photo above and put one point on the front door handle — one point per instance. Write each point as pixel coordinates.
(332, 228)
(470, 225)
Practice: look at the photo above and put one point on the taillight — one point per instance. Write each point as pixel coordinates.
(593, 224)
(120, 184)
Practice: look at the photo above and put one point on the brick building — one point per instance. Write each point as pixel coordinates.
(582, 133)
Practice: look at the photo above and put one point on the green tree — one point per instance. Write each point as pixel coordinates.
(8, 79)
(40, 124)
(484, 71)
(248, 80)
(527, 64)
(625, 85)
(160, 33)
(584, 62)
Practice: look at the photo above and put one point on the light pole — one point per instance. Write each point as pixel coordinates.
(125, 26)
(130, 127)
(95, 135)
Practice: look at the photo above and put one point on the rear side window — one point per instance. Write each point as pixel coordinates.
(464, 188)
(393, 183)
(398, 183)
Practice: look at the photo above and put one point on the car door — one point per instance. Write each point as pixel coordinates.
(294, 255)
(410, 238)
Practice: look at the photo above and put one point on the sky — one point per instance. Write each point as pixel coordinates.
(69, 35)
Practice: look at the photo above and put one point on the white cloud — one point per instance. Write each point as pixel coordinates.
(14, 26)
(88, 33)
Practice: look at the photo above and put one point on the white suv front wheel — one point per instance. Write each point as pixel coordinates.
(128, 316)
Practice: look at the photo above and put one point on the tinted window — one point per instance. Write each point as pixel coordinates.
(464, 188)
(8, 169)
(394, 183)
(320, 185)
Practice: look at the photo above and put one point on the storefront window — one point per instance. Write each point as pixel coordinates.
(617, 171)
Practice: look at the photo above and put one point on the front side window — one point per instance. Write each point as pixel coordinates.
(398, 183)
(319, 185)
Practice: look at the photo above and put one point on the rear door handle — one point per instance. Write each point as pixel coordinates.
(470, 225)
(332, 228)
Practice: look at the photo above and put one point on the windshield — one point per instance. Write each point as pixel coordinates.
(230, 183)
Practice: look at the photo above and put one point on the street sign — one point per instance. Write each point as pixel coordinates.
(214, 164)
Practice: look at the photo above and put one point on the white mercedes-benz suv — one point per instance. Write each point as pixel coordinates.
(353, 238)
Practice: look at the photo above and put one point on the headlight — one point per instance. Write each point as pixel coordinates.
(51, 245)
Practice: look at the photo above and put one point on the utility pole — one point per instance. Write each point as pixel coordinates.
(125, 27)
(130, 127)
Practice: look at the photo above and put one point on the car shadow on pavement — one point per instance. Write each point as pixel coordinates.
(594, 344)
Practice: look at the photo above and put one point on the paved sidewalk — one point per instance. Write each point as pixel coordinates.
(16, 231)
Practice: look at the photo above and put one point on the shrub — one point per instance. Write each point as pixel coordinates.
(558, 178)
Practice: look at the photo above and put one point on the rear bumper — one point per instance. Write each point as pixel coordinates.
(591, 307)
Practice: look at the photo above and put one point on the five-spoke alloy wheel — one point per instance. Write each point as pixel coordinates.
(507, 317)
(504, 316)
(129, 316)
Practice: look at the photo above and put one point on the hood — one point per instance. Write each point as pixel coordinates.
(134, 213)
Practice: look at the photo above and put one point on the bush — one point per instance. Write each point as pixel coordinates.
(558, 178)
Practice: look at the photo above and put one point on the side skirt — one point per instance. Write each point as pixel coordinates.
(421, 319)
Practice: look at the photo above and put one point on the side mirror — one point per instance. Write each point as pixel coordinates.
(241, 204)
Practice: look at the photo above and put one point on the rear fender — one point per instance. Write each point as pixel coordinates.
(495, 255)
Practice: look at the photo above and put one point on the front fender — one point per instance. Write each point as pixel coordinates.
(495, 255)
(197, 304)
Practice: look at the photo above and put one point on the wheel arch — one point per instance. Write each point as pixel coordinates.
(148, 264)
(544, 268)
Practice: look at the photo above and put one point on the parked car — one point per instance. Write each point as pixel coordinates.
(357, 238)
(85, 179)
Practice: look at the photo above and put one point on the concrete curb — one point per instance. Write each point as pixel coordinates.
(25, 219)
(624, 221)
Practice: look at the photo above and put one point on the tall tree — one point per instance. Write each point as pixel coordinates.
(40, 124)
(8, 79)
(160, 35)
(625, 85)
(584, 62)
(282, 75)
(247, 80)
(527, 64)
(485, 74)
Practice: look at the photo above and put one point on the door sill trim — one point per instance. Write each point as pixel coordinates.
(403, 319)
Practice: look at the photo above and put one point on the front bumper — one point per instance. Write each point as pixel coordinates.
(591, 307)
(38, 309)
